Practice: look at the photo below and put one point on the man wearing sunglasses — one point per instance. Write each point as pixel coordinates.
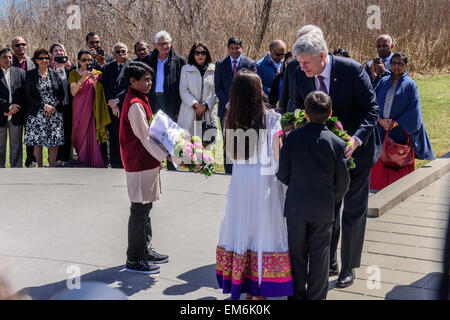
(270, 66)
(94, 43)
(24, 62)
(114, 84)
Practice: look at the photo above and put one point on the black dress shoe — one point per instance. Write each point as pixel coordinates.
(345, 278)
(334, 270)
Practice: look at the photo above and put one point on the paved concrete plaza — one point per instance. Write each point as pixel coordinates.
(55, 220)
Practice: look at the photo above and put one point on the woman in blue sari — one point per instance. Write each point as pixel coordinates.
(398, 98)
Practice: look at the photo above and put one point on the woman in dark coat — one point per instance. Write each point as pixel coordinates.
(398, 98)
(44, 98)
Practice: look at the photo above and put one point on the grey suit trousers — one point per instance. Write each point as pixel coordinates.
(15, 145)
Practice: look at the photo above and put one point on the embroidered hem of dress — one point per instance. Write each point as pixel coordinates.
(238, 273)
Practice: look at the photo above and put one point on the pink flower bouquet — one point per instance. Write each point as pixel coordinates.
(191, 152)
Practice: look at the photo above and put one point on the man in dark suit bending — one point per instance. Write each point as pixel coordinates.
(354, 103)
(226, 70)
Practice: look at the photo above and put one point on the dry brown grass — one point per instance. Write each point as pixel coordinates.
(419, 27)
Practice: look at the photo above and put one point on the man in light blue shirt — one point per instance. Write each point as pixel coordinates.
(160, 75)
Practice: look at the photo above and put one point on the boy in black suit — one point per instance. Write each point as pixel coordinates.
(314, 167)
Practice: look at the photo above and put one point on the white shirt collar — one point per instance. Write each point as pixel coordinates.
(5, 71)
(326, 73)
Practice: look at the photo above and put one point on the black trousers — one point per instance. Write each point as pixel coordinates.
(354, 217)
(114, 147)
(309, 241)
(139, 231)
(227, 162)
(65, 151)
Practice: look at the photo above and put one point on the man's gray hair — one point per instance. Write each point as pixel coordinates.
(312, 44)
(309, 28)
(162, 34)
(119, 44)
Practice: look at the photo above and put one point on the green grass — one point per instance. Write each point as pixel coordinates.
(435, 103)
(44, 154)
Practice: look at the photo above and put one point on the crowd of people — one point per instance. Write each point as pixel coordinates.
(99, 107)
(73, 108)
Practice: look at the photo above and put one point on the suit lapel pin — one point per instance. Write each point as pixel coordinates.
(335, 80)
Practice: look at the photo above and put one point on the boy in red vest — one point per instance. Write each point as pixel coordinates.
(141, 158)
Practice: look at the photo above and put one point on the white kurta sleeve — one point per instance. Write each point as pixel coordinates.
(140, 126)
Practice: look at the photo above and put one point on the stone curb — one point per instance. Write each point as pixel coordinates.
(400, 190)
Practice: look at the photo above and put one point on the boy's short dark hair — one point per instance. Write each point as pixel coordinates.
(318, 105)
(235, 40)
(137, 70)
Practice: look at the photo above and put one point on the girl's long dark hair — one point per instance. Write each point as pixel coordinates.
(246, 110)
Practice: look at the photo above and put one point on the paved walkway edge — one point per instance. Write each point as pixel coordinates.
(400, 190)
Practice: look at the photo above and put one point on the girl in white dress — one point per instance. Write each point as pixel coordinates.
(252, 254)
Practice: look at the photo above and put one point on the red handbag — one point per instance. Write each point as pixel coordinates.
(396, 155)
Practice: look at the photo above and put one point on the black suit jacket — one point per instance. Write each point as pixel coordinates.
(223, 77)
(33, 100)
(314, 167)
(354, 103)
(172, 75)
(287, 95)
(17, 88)
(113, 81)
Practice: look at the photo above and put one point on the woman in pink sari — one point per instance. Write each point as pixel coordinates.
(90, 112)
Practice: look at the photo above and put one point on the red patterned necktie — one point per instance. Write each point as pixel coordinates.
(235, 68)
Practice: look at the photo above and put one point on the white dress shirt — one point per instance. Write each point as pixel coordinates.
(7, 74)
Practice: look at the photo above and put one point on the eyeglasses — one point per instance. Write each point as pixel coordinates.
(94, 42)
(18, 45)
(164, 44)
(203, 53)
(86, 60)
(121, 51)
(279, 54)
(400, 64)
(43, 58)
